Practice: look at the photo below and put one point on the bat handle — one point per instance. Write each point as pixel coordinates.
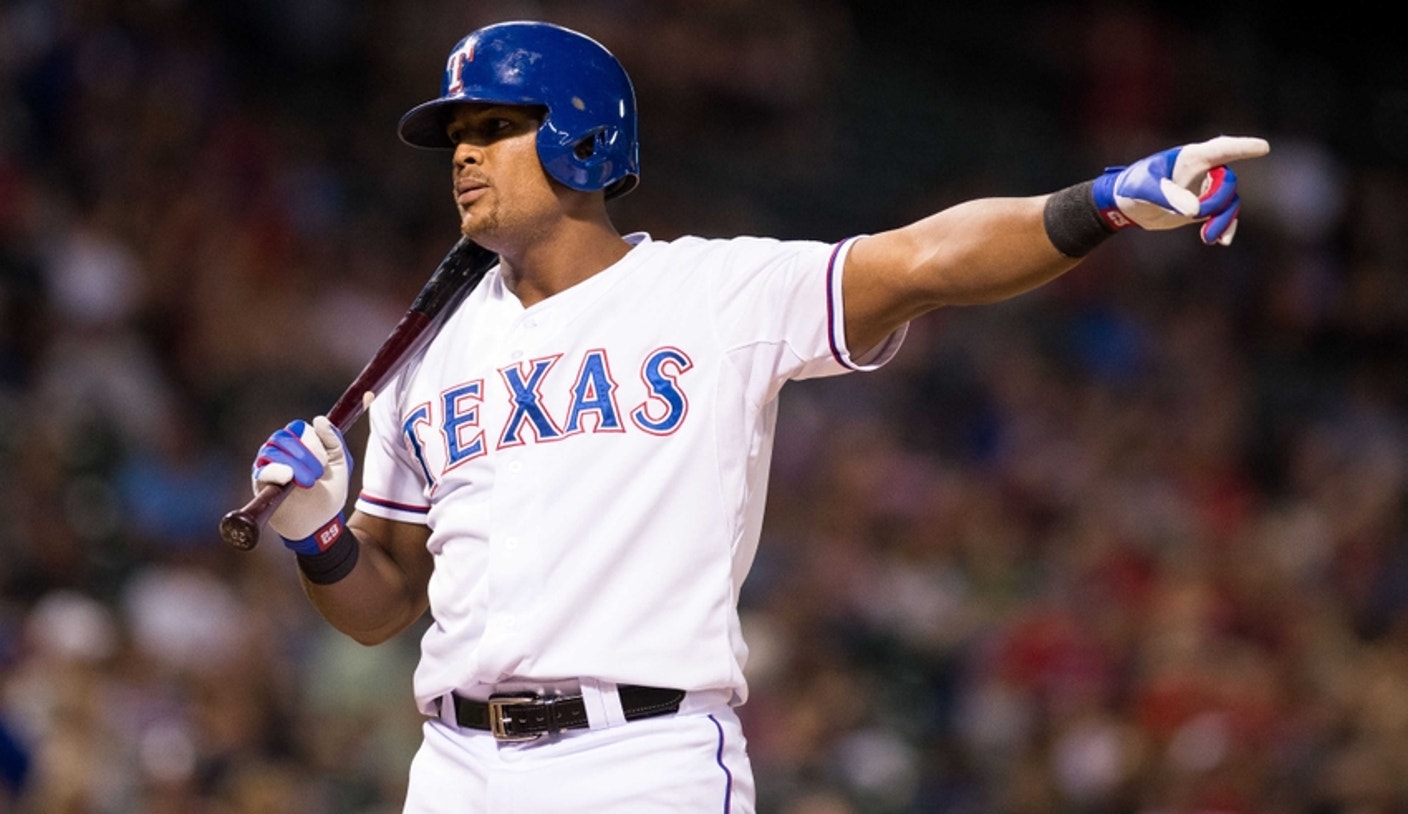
(240, 528)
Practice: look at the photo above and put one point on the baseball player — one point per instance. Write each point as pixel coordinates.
(571, 476)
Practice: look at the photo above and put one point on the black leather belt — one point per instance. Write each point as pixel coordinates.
(524, 717)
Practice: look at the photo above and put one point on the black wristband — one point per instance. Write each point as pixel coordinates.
(334, 563)
(1073, 223)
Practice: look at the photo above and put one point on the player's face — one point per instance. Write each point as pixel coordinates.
(498, 181)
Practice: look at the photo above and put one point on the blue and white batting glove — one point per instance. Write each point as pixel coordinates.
(315, 457)
(1157, 192)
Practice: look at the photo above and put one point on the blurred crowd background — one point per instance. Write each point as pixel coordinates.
(1134, 542)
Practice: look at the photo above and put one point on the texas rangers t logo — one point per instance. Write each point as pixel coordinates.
(454, 68)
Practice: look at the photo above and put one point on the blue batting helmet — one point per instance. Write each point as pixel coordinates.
(588, 136)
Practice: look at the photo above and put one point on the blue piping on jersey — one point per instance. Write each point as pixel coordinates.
(728, 775)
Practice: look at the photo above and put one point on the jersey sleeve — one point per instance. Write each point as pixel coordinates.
(392, 486)
(780, 304)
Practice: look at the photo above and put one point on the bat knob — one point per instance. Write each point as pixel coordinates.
(237, 529)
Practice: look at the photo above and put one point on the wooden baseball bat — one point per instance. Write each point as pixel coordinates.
(461, 269)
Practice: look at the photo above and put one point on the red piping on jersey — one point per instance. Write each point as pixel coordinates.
(391, 504)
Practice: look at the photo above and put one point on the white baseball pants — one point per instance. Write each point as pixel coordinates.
(694, 762)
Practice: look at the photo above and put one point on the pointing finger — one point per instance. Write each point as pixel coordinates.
(1196, 159)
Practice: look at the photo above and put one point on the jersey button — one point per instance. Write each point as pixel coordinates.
(515, 466)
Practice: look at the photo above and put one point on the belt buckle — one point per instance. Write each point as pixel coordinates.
(498, 721)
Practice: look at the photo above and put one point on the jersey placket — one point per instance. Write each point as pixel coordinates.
(515, 553)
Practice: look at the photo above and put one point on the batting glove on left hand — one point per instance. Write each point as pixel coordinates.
(316, 459)
(1157, 192)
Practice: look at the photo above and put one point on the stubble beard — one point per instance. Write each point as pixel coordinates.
(476, 226)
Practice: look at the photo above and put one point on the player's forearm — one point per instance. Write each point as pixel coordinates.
(976, 252)
(375, 601)
(981, 251)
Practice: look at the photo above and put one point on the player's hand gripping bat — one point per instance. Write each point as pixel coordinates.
(461, 269)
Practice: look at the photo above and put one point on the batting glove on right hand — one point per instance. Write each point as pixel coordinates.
(1157, 192)
(315, 457)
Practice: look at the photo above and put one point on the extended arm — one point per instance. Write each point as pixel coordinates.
(975, 252)
(990, 249)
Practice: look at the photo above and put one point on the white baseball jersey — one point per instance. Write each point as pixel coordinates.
(593, 469)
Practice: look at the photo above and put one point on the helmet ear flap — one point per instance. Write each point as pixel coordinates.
(587, 146)
(596, 145)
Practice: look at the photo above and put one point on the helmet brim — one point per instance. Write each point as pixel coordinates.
(424, 125)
